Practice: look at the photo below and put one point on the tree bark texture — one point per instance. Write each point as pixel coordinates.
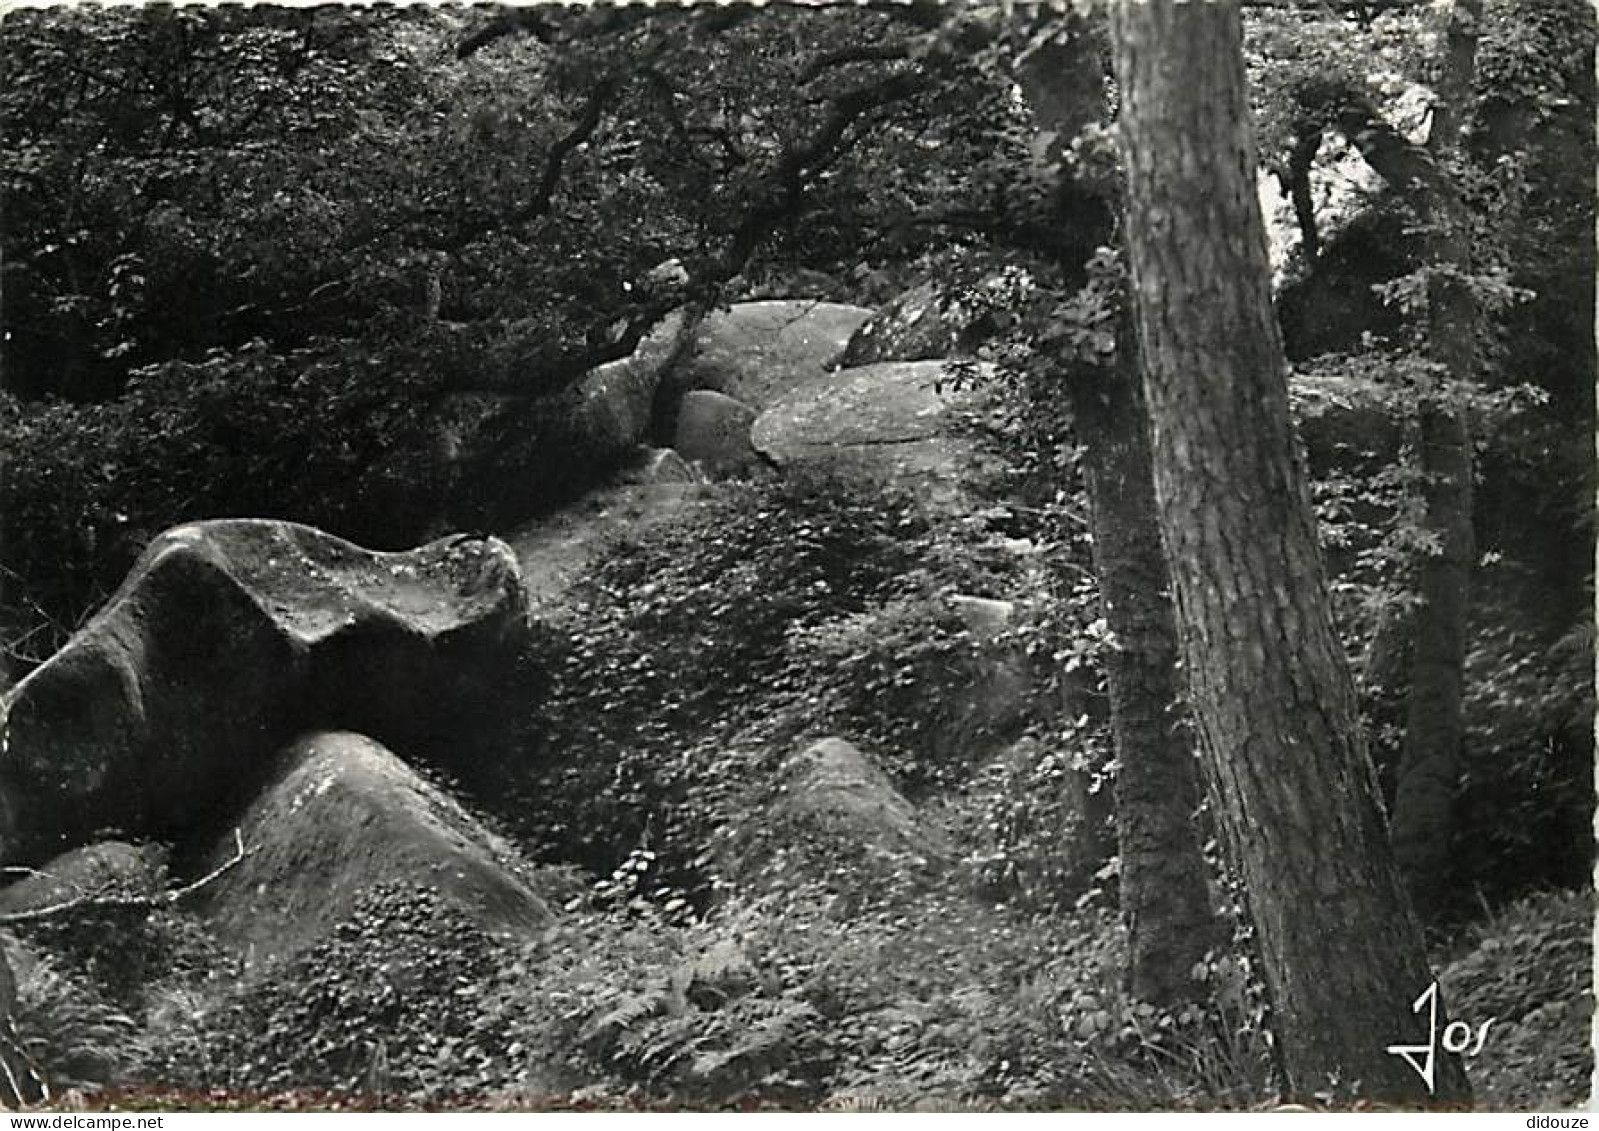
(1164, 894)
(1268, 681)
(1429, 763)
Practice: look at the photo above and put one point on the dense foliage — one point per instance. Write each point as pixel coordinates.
(220, 228)
(253, 259)
(801, 607)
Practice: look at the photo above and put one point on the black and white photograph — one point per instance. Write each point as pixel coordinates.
(822, 557)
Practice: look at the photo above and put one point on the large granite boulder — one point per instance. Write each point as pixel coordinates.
(756, 351)
(340, 816)
(227, 639)
(900, 421)
(913, 327)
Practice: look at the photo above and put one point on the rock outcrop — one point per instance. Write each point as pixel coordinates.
(912, 327)
(756, 351)
(339, 816)
(109, 868)
(900, 422)
(227, 639)
(920, 325)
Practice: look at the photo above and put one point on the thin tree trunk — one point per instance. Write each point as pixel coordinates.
(1268, 681)
(1165, 899)
(1165, 895)
(1429, 765)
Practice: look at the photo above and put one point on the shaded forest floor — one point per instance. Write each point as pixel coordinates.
(1529, 967)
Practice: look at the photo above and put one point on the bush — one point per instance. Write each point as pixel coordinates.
(750, 615)
(121, 952)
(391, 1002)
(75, 1034)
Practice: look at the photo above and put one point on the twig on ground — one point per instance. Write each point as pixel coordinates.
(108, 896)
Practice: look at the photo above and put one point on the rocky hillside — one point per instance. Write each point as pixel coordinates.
(769, 773)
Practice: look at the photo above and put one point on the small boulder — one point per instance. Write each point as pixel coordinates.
(340, 816)
(556, 551)
(995, 704)
(713, 430)
(662, 465)
(108, 868)
(835, 789)
(228, 638)
(756, 351)
(985, 617)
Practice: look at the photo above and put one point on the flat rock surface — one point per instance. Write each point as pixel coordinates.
(898, 420)
(757, 351)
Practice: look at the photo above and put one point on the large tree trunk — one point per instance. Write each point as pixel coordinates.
(1269, 685)
(1429, 765)
(1165, 898)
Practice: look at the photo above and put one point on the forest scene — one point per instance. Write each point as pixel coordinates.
(816, 557)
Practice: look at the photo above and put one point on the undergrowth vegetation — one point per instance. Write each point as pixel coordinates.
(911, 1002)
(807, 606)
(258, 260)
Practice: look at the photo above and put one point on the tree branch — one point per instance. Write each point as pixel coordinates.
(1407, 167)
(820, 149)
(108, 896)
(858, 53)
